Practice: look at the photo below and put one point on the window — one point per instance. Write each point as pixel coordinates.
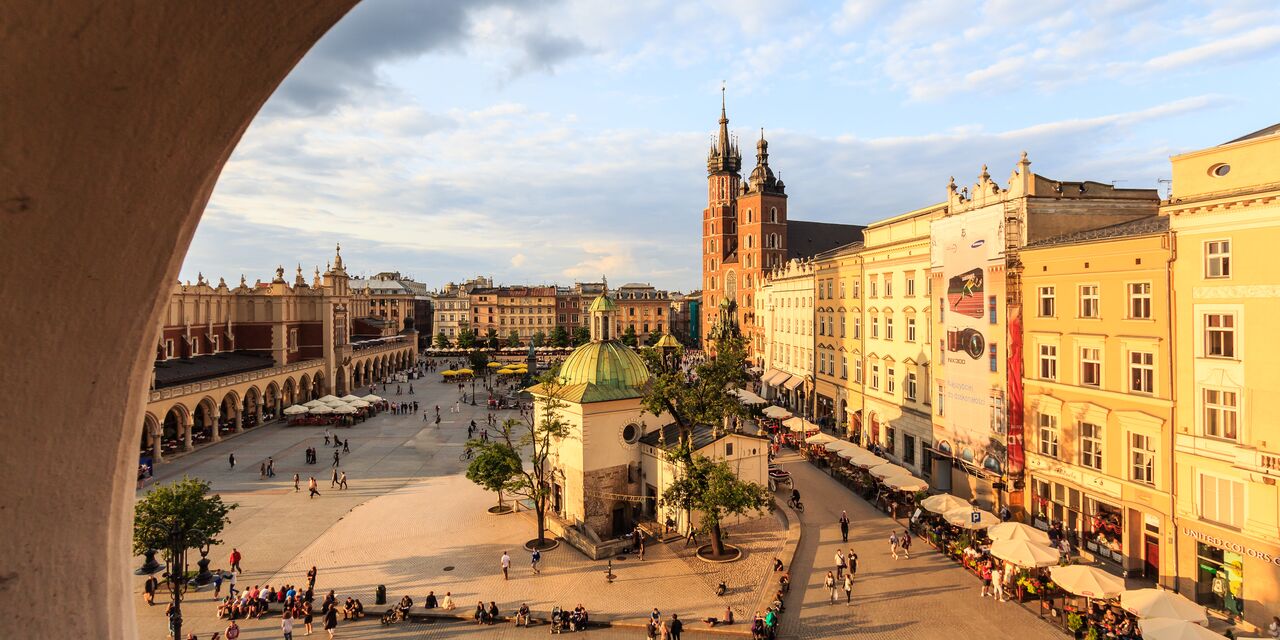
(888, 328)
(1217, 259)
(875, 376)
(888, 285)
(940, 398)
(1048, 436)
(293, 339)
(1048, 362)
(1140, 300)
(890, 379)
(910, 390)
(911, 285)
(1220, 413)
(1090, 445)
(911, 329)
(844, 367)
(195, 346)
(1091, 367)
(773, 214)
(857, 370)
(842, 326)
(991, 310)
(1222, 500)
(908, 449)
(1220, 335)
(857, 288)
(872, 282)
(1046, 302)
(993, 358)
(1142, 372)
(1088, 301)
(857, 328)
(1142, 457)
(168, 348)
(875, 327)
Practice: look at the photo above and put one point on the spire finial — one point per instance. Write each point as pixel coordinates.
(722, 111)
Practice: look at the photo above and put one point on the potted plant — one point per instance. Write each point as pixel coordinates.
(1075, 624)
(1091, 634)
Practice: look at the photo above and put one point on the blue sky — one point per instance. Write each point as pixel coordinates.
(553, 141)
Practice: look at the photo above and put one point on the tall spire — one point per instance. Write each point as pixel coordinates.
(724, 156)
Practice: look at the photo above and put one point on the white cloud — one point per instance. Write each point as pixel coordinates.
(518, 260)
(1229, 49)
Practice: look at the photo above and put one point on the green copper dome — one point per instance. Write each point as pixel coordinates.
(605, 364)
(602, 303)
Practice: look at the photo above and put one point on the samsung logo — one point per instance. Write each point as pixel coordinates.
(977, 243)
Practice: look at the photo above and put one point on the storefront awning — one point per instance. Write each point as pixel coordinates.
(774, 378)
(794, 382)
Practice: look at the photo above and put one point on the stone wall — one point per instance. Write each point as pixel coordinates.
(598, 506)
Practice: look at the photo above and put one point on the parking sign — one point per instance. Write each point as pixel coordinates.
(975, 517)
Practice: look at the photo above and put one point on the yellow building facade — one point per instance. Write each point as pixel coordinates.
(838, 343)
(1224, 211)
(1098, 385)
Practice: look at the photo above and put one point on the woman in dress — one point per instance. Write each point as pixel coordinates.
(306, 615)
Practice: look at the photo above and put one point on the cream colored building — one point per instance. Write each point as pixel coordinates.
(451, 307)
(837, 276)
(1098, 386)
(896, 319)
(1224, 210)
(785, 304)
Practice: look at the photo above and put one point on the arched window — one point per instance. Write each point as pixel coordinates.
(773, 214)
(751, 241)
(750, 216)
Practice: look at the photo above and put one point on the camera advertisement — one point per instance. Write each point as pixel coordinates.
(964, 249)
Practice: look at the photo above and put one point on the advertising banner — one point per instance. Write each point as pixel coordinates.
(965, 248)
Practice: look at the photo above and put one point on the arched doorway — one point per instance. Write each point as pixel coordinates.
(340, 382)
(304, 390)
(251, 408)
(317, 385)
(151, 439)
(175, 432)
(204, 426)
(232, 414)
(271, 402)
(289, 395)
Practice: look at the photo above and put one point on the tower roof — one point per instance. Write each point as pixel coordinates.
(762, 178)
(724, 155)
(600, 371)
(602, 303)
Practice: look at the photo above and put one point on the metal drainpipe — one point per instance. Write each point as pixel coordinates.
(1173, 402)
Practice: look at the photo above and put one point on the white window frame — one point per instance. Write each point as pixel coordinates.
(1217, 259)
(890, 379)
(1143, 373)
(1226, 415)
(1211, 504)
(1228, 347)
(1090, 301)
(857, 370)
(875, 376)
(1142, 458)
(1091, 358)
(169, 347)
(1047, 296)
(888, 326)
(910, 389)
(1048, 436)
(911, 285)
(911, 329)
(1091, 448)
(1047, 361)
(1139, 307)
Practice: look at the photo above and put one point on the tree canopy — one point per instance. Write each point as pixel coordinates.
(629, 336)
(706, 396)
(496, 466)
(539, 338)
(491, 338)
(182, 505)
(442, 341)
(712, 488)
(513, 338)
(466, 337)
(581, 336)
(559, 336)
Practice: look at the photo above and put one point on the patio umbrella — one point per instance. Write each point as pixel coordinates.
(358, 403)
(1084, 580)
(464, 372)
(344, 409)
(371, 398)
(1019, 531)
(448, 372)
(905, 483)
(336, 402)
(964, 518)
(749, 398)
(1024, 553)
(326, 398)
(320, 409)
(799, 425)
(313, 403)
(349, 397)
(889, 469)
(295, 410)
(942, 503)
(1158, 603)
(867, 460)
(840, 446)
(495, 365)
(821, 438)
(850, 451)
(776, 412)
(1174, 629)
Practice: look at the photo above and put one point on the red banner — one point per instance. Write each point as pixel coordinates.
(1014, 368)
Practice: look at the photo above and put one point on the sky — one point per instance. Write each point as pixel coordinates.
(541, 142)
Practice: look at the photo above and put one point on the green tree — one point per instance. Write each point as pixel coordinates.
(581, 336)
(713, 489)
(479, 361)
(496, 467)
(539, 338)
(629, 336)
(442, 341)
(710, 398)
(183, 506)
(513, 338)
(466, 337)
(534, 437)
(491, 338)
(559, 337)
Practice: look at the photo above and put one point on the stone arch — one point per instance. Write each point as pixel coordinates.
(232, 411)
(271, 399)
(304, 389)
(317, 385)
(289, 393)
(175, 428)
(251, 408)
(204, 421)
(340, 386)
(151, 438)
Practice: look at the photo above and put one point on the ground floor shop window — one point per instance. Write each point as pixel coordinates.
(1105, 534)
(908, 449)
(1220, 579)
(890, 436)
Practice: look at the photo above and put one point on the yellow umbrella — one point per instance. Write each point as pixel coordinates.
(464, 372)
(448, 372)
(495, 365)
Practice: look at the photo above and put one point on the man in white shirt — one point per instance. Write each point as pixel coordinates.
(506, 564)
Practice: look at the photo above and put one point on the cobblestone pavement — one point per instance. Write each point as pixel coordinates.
(412, 521)
(926, 596)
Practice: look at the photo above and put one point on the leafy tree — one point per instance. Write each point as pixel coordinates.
(184, 506)
(466, 337)
(559, 337)
(629, 336)
(539, 338)
(714, 489)
(491, 338)
(479, 361)
(536, 435)
(709, 398)
(513, 338)
(442, 341)
(581, 336)
(496, 467)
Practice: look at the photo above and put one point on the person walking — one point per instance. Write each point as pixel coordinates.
(271, 467)
(262, 472)
(534, 560)
(231, 459)
(331, 620)
(506, 565)
(997, 584)
(346, 445)
(674, 627)
(848, 590)
(342, 481)
(311, 487)
(893, 544)
(333, 479)
(217, 584)
(149, 589)
(830, 584)
(296, 480)
(984, 571)
(307, 613)
(286, 624)
(852, 561)
(839, 564)
(905, 543)
(234, 559)
(844, 526)
(337, 458)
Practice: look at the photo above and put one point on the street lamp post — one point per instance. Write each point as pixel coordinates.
(177, 576)
(473, 390)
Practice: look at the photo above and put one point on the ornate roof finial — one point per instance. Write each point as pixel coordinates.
(199, 277)
(985, 176)
(242, 281)
(222, 283)
(951, 185)
(722, 111)
(337, 256)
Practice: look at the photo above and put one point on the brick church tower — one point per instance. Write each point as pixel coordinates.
(762, 236)
(720, 223)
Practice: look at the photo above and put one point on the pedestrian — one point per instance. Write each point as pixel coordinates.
(271, 467)
(326, 437)
(852, 561)
(905, 542)
(997, 584)
(839, 564)
(506, 564)
(231, 459)
(149, 590)
(262, 472)
(296, 480)
(674, 627)
(333, 480)
(830, 584)
(1064, 551)
(346, 445)
(457, 406)
(342, 481)
(286, 624)
(311, 578)
(337, 458)
(231, 584)
(311, 486)
(848, 590)
(893, 544)
(235, 560)
(307, 613)
(844, 526)
(217, 584)
(534, 560)
(985, 572)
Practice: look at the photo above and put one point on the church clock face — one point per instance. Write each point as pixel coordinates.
(630, 434)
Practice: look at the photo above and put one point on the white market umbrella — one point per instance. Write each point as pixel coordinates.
(943, 502)
(349, 397)
(867, 460)
(334, 403)
(1158, 603)
(296, 410)
(749, 398)
(964, 518)
(327, 398)
(1084, 580)
(320, 410)
(1024, 554)
(776, 412)
(371, 398)
(840, 446)
(313, 403)
(821, 438)
(1174, 629)
(799, 425)
(358, 403)
(344, 409)
(905, 483)
(1019, 531)
(889, 469)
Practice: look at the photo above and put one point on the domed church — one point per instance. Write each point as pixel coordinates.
(608, 474)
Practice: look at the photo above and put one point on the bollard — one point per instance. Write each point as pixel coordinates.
(380, 596)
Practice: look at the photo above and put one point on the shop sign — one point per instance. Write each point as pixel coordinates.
(1231, 546)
